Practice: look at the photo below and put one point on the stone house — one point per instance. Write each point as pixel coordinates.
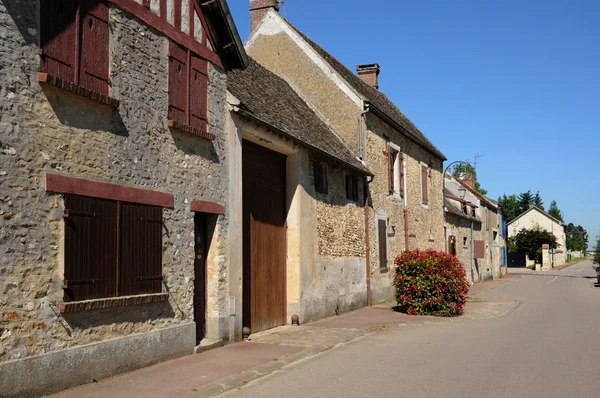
(405, 197)
(114, 167)
(531, 218)
(297, 193)
(474, 230)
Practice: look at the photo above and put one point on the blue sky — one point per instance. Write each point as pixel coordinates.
(515, 81)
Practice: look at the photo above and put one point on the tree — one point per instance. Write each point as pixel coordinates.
(577, 237)
(525, 199)
(537, 201)
(510, 207)
(531, 240)
(597, 253)
(555, 212)
(463, 169)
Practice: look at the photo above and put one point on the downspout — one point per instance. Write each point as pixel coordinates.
(360, 131)
(367, 240)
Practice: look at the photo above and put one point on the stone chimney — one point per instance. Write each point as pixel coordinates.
(258, 10)
(469, 180)
(369, 73)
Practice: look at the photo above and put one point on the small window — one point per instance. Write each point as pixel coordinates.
(395, 171)
(320, 174)
(75, 42)
(465, 241)
(352, 188)
(111, 248)
(425, 184)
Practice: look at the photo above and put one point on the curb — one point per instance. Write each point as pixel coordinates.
(243, 378)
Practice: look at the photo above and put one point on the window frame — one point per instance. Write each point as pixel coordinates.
(396, 172)
(321, 179)
(352, 193)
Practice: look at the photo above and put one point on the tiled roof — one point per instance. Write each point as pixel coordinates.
(268, 99)
(375, 97)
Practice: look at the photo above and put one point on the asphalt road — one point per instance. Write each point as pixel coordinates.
(547, 347)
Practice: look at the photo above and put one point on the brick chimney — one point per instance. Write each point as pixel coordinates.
(369, 73)
(258, 10)
(469, 180)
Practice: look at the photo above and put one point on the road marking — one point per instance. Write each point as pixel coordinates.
(555, 278)
(579, 270)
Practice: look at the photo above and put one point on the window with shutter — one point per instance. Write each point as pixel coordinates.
(382, 239)
(75, 42)
(111, 248)
(188, 91)
(395, 171)
(425, 184)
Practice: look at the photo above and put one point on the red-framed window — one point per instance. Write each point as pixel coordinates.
(188, 88)
(75, 42)
(112, 248)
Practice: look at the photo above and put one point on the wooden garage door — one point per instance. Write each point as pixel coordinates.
(264, 238)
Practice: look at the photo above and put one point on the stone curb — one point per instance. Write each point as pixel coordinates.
(240, 379)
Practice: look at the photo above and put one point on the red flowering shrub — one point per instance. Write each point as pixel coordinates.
(430, 283)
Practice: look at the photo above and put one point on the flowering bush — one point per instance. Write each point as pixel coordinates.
(430, 283)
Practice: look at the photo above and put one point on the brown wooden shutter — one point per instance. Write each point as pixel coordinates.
(93, 72)
(178, 83)
(58, 38)
(390, 169)
(479, 249)
(424, 185)
(320, 175)
(382, 232)
(140, 268)
(90, 248)
(198, 93)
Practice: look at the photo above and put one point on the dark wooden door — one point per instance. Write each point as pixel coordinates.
(200, 275)
(264, 238)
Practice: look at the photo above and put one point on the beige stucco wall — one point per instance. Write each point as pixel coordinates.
(535, 217)
(325, 266)
(279, 49)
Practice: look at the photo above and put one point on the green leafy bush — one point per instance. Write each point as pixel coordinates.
(430, 283)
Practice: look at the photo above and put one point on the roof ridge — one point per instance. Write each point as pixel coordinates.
(384, 104)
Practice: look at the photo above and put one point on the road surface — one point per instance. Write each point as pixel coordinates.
(547, 347)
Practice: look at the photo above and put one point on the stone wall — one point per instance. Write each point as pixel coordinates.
(48, 130)
(425, 223)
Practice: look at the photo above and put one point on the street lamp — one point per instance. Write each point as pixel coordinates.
(462, 192)
(444, 185)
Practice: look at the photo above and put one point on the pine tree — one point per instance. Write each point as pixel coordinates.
(555, 212)
(525, 199)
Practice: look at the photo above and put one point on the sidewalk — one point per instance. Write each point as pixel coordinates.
(236, 364)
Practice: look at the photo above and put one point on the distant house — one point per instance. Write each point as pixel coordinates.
(474, 230)
(533, 217)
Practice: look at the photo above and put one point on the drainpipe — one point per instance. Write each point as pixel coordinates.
(367, 240)
(405, 229)
(360, 131)
(472, 253)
